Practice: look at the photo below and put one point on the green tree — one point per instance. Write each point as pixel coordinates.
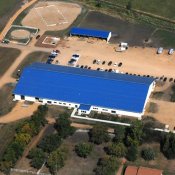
(119, 132)
(99, 134)
(129, 5)
(107, 166)
(132, 153)
(50, 143)
(23, 138)
(63, 126)
(56, 160)
(148, 154)
(37, 157)
(83, 149)
(134, 134)
(118, 150)
(168, 145)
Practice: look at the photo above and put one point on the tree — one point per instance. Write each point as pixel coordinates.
(129, 5)
(148, 154)
(23, 138)
(106, 166)
(37, 157)
(83, 149)
(56, 160)
(118, 150)
(168, 145)
(119, 132)
(63, 126)
(132, 153)
(50, 143)
(99, 134)
(134, 134)
(98, 3)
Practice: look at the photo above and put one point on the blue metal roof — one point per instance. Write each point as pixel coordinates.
(83, 86)
(89, 32)
(84, 107)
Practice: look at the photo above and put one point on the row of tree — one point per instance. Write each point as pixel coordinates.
(50, 150)
(23, 136)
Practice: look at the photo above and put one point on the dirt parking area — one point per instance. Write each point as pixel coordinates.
(138, 61)
(52, 15)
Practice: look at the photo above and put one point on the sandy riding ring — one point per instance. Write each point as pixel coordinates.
(20, 34)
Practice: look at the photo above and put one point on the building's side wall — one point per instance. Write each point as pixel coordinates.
(151, 88)
(109, 36)
(118, 112)
(75, 105)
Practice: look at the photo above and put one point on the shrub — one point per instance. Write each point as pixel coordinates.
(38, 157)
(99, 134)
(83, 149)
(118, 150)
(50, 143)
(63, 126)
(132, 153)
(107, 166)
(148, 154)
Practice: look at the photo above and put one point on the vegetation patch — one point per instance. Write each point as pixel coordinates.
(30, 58)
(173, 93)
(7, 57)
(152, 108)
(6, 99)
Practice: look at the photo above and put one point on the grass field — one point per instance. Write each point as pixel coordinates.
(31, 58)
(164, 8)
(6, 99)
(7, 57)
(7, 9)
(7, 133)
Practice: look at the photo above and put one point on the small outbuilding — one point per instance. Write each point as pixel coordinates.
(77, 31)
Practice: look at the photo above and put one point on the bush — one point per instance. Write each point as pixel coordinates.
(38, 157)
(119, 132)
(83, 149)
(132, 153)
(50, 143)
(99, 134)
(168, 145)
(107, 166)
(118, 150)
(56, 160)
(148, 154)
(63, 126)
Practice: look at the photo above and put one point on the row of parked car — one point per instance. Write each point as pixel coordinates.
(160, 50)
(52, 56)
(109, 63)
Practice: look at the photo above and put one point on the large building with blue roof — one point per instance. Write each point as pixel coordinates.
(84, 89)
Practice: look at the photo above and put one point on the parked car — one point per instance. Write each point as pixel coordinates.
(38, 36)
(120, 64)
(171, 51)
(73, 60)
(160, 50)
(110, 62)
(115, 64)
(103, 62)
(94, 61)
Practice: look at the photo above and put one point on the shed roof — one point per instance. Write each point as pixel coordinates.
(82, 86)
(89, 32)
(131, 170)
(148, 171)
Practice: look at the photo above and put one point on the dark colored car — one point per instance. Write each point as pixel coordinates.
(120, 64)
(110, 62)
(103, 62)
(94, 61)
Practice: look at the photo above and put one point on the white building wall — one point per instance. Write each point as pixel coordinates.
(17, 97)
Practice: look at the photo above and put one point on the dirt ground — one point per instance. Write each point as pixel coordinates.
(18, 34)
(136, 60)
(52, 15)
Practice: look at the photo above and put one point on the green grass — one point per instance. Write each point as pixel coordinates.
(166, 38)
(7, 133)
(7, 5)
(7, 57)
(164, 8)
(31, 58)
(6, 99)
